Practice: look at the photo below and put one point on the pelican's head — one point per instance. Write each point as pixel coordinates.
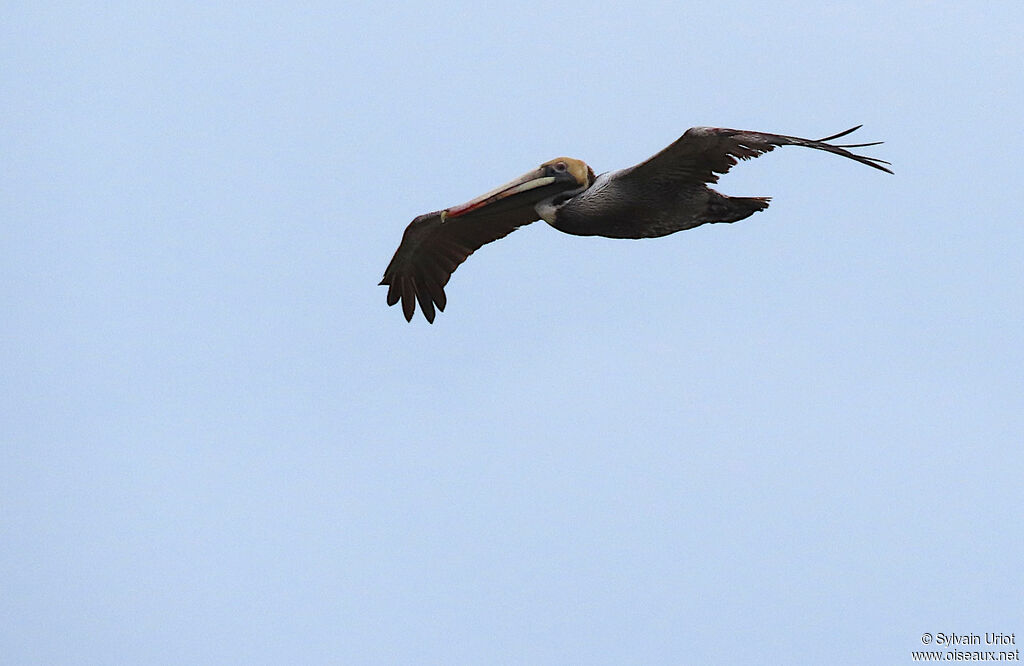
(562, 177)
(581, 174)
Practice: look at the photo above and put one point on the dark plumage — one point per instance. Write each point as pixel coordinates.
(663, 195)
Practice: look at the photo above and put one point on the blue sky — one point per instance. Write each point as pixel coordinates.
(795, 439)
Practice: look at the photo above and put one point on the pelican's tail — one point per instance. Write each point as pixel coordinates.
(732, 209)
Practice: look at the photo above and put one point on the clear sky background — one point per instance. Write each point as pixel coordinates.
(795, 439)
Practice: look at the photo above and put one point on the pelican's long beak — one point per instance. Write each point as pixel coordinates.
(528, 182)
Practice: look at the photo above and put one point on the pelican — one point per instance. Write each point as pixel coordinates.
(665, 194)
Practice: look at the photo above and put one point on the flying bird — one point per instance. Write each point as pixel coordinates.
(665, 194)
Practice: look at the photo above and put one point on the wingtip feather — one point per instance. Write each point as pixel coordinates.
(841, 134)
(408, 299)
(426, 305)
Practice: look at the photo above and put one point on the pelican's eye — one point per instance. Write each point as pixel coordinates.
(559, 167)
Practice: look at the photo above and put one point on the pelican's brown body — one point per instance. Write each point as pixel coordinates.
(665, 194)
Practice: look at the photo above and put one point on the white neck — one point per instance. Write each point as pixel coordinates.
(546, 209)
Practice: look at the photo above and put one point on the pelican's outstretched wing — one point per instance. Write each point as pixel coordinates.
(704, 152)
(432, 248)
